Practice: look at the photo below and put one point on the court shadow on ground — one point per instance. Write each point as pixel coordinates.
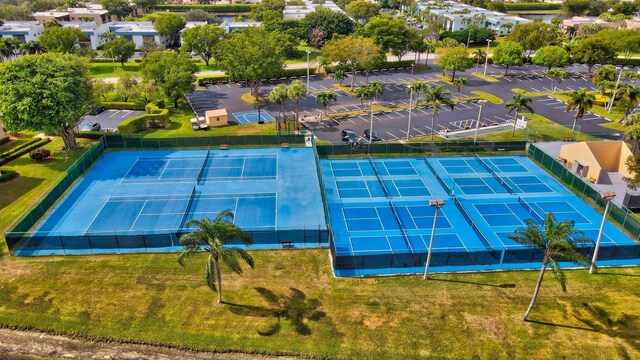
(503, 286)
(294, 307)
(14, 189)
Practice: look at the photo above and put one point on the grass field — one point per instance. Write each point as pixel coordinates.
(149, 297)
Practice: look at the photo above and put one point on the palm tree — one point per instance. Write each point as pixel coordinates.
(556, 75)
(297, 90)
(479, 56)
(631, 94)
(518, 103)
(375, 89)
(324, 98)
(459, 83)
(414, 89)
(605, 73)
(362, 93)
(31, 47)
(323, 62)
(339, 76)
(437, 95)
(557, 243)
(214, 235)
(581, 101)
(632, 126)
(279, 95)
(429, 48)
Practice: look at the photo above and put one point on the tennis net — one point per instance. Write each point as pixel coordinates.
(440, 180)
(495, 176)
(404, 235)
(204, 165)
(187, 210)
(375, 170)
(472, 223)
(531, 211)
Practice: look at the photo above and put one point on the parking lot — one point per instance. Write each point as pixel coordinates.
(109, 119)
(393, 125)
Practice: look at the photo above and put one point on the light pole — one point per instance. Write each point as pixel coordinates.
(410, 103)
(412, 66)
(371, 125)
(615, 90)
(308, 52)
(113, 61)
(486, 58)
(475, 136)
(608, 196)
(437, 204)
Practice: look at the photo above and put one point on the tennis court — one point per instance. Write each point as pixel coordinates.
(379, 229)
(248, 117)
(137, 201)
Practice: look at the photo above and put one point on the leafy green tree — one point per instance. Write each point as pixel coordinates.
(572, 8)
(430, 48)
(279, 96)
(325, 98)
(557, 76)
(126, 85)
(518, 104)
(101, 89)
(352, 52)
(632, 132)
(437, 95)
(626, 8)
(149, 47)
(202, 40)
(363, 10)
(120, 48)
(532, 36)
(330, 22)
(592, 51)
(633, 164)
(147, 4)
(339, 76)
(508, 54)
(64, 40)
(147, 90)
(49, 92)
(251, 55)
(455, 59)
(169, 25)
(258, 10)
(171, 72)
(581, 101)
(631, 95)
(201, 15)
(390, 33)
(551, 56)
(215, 236)
(117, 8)
(559, 241)
(459, 83)
(362, 93)
(9, 47)
(297, 90)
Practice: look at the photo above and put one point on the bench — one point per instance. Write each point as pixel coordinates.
(285, 145)
(286, 244)
(224, 147)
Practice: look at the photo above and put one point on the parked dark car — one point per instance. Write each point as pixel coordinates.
(91, 127)
(349, 136)
(374, 135)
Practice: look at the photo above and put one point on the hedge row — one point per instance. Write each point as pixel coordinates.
(17, 148)
(154, 116)
(23, 149)
(384, 65)
(513, 6)
(120, 105)
(6, 174)
(623, 61)
(236, 8)
(4, 140)
(105, 60)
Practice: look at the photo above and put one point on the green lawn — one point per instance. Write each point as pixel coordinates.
(102, 70)
(149, 297)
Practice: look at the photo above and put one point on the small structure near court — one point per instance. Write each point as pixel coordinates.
(594, 160)
(217, 117)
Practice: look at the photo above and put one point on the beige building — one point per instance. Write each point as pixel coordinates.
(594, 159)
(91, 13)
(217, 117)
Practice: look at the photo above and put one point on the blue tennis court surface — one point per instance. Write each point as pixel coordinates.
(381, 220)
(133, 201)
(248, 117)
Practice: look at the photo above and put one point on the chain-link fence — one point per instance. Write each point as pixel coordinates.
(139, 142)
(625, 217)
(421, 148)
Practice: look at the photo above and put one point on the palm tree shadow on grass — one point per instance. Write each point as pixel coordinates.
(294, 307)
(503, 285)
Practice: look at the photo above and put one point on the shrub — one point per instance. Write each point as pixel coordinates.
(19, 147)
(105, 60)
(120, 105)
(154, 117)
(6, 174)
(40, 154)
(4, 140)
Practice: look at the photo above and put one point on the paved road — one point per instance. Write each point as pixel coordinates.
(393, 126)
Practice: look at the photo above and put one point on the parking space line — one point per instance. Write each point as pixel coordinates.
(395, 137)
